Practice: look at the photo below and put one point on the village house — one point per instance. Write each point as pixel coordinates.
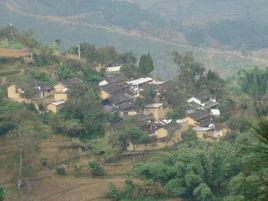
(28, 91)
(188, 121)
(203, 118)
(204, 101)
(113, 69)
(16, 93)
(163, 130)
(55, 106)
(61, 90)
(107, 91)
(136, 86)
(157, 110)
(115, 95)
(123, 104)
(65, 85)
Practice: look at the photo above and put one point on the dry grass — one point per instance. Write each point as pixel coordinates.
(46, 185)
(8, 52)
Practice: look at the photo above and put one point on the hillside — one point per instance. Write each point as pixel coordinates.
(139, 28)
(94, 123)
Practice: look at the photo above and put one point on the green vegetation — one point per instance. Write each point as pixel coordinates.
(186, 22)
(202, 171)
(96, 169)
(2, 194)
(146, 65)
(233, 168)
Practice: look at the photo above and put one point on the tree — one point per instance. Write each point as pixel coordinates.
(130, 132)
(239, 123)
(137, 136)
(189, 136)
(200, 172)
(146, 65)
(128, 58)
(88, 52)
(82, 114)
(254, 82)
(64, 72)
(57, 43)
(203, 193)
(2, 193)
(191, 73)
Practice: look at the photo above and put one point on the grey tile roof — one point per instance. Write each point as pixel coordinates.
(199, 115)
(70, 82)
(112, 88)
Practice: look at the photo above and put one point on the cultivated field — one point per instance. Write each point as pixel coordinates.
(45, 185)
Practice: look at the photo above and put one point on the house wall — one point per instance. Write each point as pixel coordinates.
(161, 133)
(53, 108)
(61, 96)
(104, 95)
(194, 100)
(132, 113)
(59, 87)
(12, 93)
(158, 113)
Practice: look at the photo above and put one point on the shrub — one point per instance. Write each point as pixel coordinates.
(96, 169)
(44, 162)
(113, 193)
(76, 168)
(61, 170)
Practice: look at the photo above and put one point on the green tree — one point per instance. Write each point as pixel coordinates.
(64, 72)
(189, 136)
(190, 72)
(82, 113)
(2, 193)
(203, 193)
(254, 82)
(146, 65)
(88, 52)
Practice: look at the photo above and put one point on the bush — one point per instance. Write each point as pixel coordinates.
(113, 193)
(189, 135)
(76, 168)
(61, 171)
(96, 169)
(240, 124)
(44, 162)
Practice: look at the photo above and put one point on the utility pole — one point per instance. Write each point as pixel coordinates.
(79, 51)
(19, 184)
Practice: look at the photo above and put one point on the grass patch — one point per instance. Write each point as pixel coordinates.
(16, 46)
(9, 73)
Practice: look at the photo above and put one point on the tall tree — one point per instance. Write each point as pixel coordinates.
(254, 82)
(146, 65)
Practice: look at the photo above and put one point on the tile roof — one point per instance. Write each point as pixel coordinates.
(119, 98)
(211, 104)
(70, 82)
(199, 115)
(112, 88)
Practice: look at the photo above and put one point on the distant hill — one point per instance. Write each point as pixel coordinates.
(154, 26)
(229, 22)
